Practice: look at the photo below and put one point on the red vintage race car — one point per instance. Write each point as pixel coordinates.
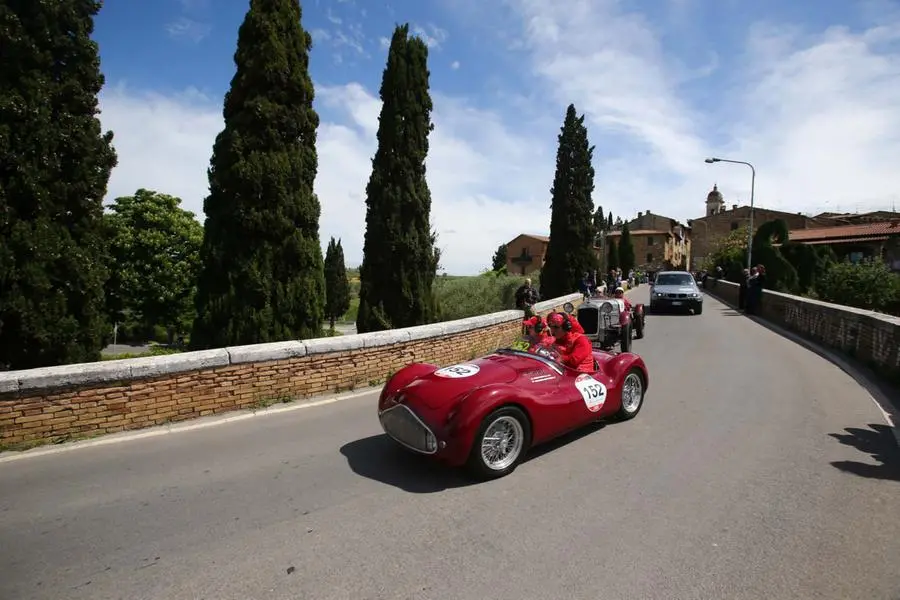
(488, 412)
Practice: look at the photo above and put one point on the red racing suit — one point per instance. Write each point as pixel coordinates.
(575, 351)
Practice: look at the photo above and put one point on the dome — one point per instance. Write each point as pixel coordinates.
(715, 195)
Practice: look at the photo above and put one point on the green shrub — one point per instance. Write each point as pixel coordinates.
(869, 284)
(462, 297)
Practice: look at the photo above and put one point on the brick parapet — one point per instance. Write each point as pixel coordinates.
(58, 403)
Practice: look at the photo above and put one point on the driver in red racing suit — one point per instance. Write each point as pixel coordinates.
(573, 346)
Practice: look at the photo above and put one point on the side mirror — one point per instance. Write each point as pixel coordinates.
(569, 307)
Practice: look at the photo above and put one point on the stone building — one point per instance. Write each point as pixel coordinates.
(720, 221)
(659, 242)
(525, 253)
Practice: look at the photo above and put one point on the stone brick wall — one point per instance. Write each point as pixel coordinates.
(60, 403)
(870, 337)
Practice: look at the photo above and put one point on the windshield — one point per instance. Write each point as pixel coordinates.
(524, 344)
(674, 279)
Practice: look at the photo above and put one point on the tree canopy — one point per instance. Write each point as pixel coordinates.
(55, 163)
(400, 259)
(262, 277)
(154, 245)
(337, 287)
(570, 252)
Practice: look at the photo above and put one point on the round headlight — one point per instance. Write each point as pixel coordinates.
(607, 308)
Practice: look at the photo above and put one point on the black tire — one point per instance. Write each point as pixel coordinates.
(698, 310)
(476, 464)
(625, 414)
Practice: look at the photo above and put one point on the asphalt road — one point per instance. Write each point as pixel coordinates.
(755, 470)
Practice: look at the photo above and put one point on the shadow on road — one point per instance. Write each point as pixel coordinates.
(379, 458)
(879, 442)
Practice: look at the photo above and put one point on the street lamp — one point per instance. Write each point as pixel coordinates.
(752, 189)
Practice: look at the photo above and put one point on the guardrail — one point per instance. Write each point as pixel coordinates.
(865, 335)
(56, 404)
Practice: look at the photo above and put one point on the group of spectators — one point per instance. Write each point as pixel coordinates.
(752, 283)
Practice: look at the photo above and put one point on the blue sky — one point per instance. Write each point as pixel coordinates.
(807, 91)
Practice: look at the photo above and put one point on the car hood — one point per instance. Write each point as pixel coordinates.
(674, 289)
(443, 386)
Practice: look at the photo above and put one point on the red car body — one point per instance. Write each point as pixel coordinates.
(440, 411)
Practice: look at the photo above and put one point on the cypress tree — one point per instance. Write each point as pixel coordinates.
(612, 261)
(570, 252)
(626, 250)
(337, 288)
(55, 163)
(262, 276)
(399, 255)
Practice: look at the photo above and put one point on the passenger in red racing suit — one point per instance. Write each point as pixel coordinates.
(537, 333)
(573, 346)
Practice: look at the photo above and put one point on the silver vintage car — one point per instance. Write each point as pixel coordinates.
(675, 290)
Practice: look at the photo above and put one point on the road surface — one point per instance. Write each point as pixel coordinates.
(755, 470)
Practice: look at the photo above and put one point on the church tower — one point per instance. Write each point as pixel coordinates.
(715, 203)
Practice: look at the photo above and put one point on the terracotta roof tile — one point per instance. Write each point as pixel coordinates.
(846, 231)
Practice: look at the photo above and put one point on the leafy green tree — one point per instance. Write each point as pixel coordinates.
(262, 276)
(612, 258)
(570, 252)
(55, 163)
(498, 262)
(869, 284)
(609, 222)
(626, 250)
(730, 253)
(337, 286)
(599, 223)
(780, 274)
(155, 250)
(400, 259)
(810, 262)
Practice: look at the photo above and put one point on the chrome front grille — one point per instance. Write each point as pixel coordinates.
(407, 429)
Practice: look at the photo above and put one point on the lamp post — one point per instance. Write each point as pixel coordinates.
(752, 189)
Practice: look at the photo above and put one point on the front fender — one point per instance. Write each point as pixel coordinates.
(404, 377)
(465, 418)
(623, 362)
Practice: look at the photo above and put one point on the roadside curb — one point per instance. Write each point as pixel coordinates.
(199, 423)
(887, 404)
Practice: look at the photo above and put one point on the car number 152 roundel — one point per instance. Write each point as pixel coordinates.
(592, 391)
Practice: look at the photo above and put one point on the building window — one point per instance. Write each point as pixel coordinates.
(649, 240)
(649, 257)
(734, 225)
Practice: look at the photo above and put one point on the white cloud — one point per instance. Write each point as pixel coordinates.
(189, 29)
(432, 35)
(454, 65)
(815, 112)
(487, 182)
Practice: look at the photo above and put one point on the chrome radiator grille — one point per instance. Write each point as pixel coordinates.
(406, 428)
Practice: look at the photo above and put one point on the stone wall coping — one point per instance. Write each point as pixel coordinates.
(83, 374)
(890, 320)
